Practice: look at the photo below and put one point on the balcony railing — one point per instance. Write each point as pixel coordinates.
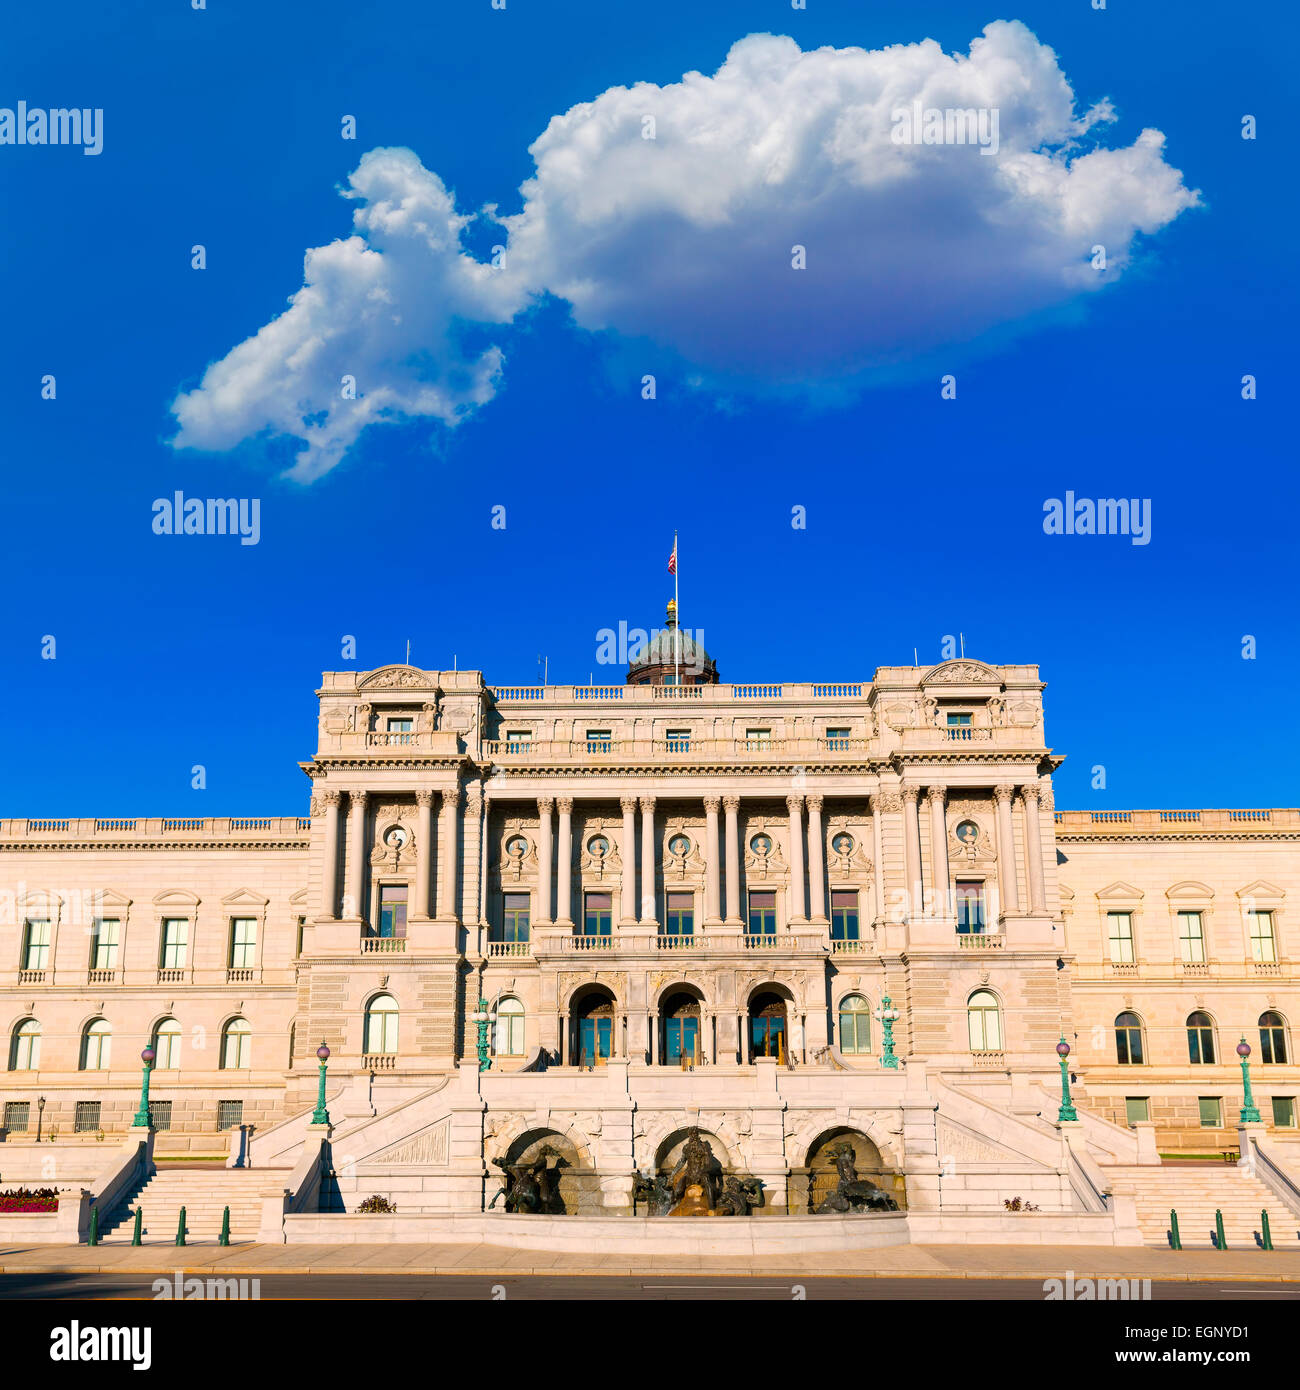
(588, 943)
(31, 977)
(687, 748)
(851, 948)
(379, 1061)
(188, 828)
(509, 948)
(101, 976)
(980, 941)
(241, 975)
(785, 691)
(171, 975)
(675, 943)
(1178, 822)
(383, 945)
(780, 941)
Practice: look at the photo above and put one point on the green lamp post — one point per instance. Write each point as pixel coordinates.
(483, 1016)
(321, 1116)
(1249, 1111)
(887, 1016)
(1067, 1111)
(142, 1115)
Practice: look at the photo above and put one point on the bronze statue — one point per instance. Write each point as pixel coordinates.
(532, 1188)
(853, 1194)
(740, 1195)
(695, 1180)
(655, 1191)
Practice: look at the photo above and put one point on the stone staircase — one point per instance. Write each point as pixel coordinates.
(1194, 1191)
(204, 1193)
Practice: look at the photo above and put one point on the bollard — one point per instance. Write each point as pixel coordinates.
(1221, 1242)
(1174, 1242)
(1268, 1235)
(139, 1227)
(224, 1237)
(93, 1237)
(180, 1228)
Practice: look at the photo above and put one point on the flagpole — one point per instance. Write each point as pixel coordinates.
(677, 641)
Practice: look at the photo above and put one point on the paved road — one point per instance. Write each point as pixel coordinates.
(619, 1288)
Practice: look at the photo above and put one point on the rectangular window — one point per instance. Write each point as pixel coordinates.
(970, 905)
(598, 914)
(175, 938)
(36, 946)
(679, 740)
(844, 915)
(762, 914)
(86, 1117)
(243, 942)
(758, 739)
(230, 1113)
(399, 726)
(1137, 1109)
(1263, 947)
(18, 1114)
(1119, 926)
(837, 738)
(392, 909)
(959, 721)
(519, 740)
(1284, 1112)
(1211, 1112)
(514, 917)
(1191, 938)
(160, 1114)
(598, 740)
(103, 944)
(680, 915)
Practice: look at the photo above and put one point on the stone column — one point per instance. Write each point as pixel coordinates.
(798, 911)
(354, 894)
(1034, 850)
(448, 849)
(731, 804)
(1006, 851)
(329, 877)
(564, 864)
(470, 894)
(912, 850)
(816, 861)
(939, 852)
(713, 879)
(423, 853)
(649, 859)
(627, 848)
(545, 805)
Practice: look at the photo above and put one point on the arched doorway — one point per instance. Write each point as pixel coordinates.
(818, 1178)
(681, 1041)
(593, 1029)
(768, 1026)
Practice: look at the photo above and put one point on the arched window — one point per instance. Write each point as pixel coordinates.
(855, 1024)
(25, 1049)
(509, 1040)
(236, 1045)
(1128, 1040)
(1200, 1038)
(1272, 1038)
(767, 1027)
(984, 1022)
(381, 1026)
(167, 1044)
(96, 1045)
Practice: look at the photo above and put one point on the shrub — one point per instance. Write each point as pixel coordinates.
(377, 1205)
(1018, 1204)
(22, 1199)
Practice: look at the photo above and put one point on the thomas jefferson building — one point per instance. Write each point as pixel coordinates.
(683, 905)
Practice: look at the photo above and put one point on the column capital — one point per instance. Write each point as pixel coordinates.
(424, 797)
(474, 796)
(936, 791)
(815, 801)
(358, 798)
(628, 803)
(712, 803)
(330, 796)
(545, 805)
(1004, 791)
(731, 803)
(911, 795)
(564, 804)
(647, 803)
(884, 801)
(451, 797)
(1030, 792)
(794, 804)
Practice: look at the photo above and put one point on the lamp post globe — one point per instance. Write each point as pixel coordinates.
(1249, 1110)
(148, 1056)
(1067, 1113)
(321, 1116)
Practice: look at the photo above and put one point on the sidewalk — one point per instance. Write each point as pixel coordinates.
(929, 1261)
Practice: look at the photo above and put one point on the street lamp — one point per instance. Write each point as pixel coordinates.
(40, 1115)
(321, 1116)
(1067, 1111)
(142, 1115)
(887, 1015)
(483, 1016)
(1249, 1111)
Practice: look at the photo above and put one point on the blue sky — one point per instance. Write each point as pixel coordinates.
(222, 128)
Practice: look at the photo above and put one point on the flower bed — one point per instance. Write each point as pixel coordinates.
(29, 1199)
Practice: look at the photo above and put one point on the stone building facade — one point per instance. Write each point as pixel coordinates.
(676, 904)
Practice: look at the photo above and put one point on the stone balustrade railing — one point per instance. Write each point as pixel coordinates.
(696, 694)
(1175, 822)
(192, 828)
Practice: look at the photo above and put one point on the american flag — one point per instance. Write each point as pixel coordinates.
(672, 559)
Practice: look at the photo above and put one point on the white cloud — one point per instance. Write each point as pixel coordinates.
(686, 238)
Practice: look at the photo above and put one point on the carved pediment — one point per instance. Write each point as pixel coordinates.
(961, 672)
(398, 678)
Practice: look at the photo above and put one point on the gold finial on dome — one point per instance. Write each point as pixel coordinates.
(672, 612)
